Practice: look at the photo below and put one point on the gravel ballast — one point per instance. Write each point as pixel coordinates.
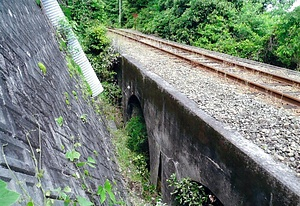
(259, 119)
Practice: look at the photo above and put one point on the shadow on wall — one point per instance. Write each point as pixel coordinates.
(133, 108)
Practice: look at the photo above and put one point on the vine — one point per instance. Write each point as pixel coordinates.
(18, 182)
(190, 193)
(7, 197)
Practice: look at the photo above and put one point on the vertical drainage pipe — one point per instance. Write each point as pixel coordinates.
(55, 15)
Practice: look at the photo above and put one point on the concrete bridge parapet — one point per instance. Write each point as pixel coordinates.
(185, 140)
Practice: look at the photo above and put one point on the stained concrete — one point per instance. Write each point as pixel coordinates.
(185, 140)
(29, 104)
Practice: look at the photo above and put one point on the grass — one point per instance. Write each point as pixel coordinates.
(134, 179)
(140, 191)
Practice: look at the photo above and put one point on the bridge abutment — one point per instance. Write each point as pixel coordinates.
(185, 140)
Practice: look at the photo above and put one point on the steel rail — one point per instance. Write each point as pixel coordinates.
(291, 82)
(285, 97)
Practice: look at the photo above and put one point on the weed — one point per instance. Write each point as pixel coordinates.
(95, 153)
(38, 2)
(134, 167)
(187, 192)
(72, 155)
(136, 130)
(59, 120)
(82, 173)
(83, 118)
(106, 190)
(7, 197)
(75, 94)
(63, 45)
(83, 201)
(42, 68)
(90, 162)
(67, 98)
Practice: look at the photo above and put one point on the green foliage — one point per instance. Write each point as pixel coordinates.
(87, 19)
(83, 201)
(63, 34)
(187, 192)
(287, 39)
(59, 120)
(83, 118)
(105, 190)
(241, 28)
(67, 100)
(38, 2)
(75, 94)
(83, 12)
(137, 132)
(73, 155)
(135, 164)
(95, 41)
(90, 162)
(74, 68)
(134, 167)
(62, 194)
(7, 197)
(42, 68)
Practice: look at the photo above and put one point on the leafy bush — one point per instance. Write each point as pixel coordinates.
(87, 19)
(137, 132)
(187, 192)
(95, 41)
(287, 39)
(241, 28)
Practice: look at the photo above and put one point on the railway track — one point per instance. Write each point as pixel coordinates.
(284, 88)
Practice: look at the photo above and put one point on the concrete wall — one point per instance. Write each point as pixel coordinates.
(30, 102)
(186, 141)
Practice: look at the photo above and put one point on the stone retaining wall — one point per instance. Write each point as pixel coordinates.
(31, 101)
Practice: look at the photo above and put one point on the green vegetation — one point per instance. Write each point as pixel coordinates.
(82, 173)
(38, 2)
(188, 193)
(75, 94)
(248, 29)
(136, 130)
(59, 120)
(87, 20)
(67, 100)
(83, 118)
(134, 168)
(287, 39)
(42, 68)
(106, 190)
(73, 155)
(7, 197)
(104, 193)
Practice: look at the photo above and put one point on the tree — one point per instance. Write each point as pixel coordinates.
(287, 39)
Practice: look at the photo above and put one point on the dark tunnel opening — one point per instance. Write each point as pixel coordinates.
(136, 126)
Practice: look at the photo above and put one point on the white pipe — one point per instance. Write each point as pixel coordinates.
(55, 15)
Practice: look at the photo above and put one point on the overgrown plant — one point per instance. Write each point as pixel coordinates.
(42, 68)
(104, 193)
(137, 132)
(59, 120)
(187, 192)
(7, 197)
(88, 26)
(136, 143)
(135, 170)
(38, 2)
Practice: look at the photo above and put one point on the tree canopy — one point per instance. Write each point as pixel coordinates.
(262, 30)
